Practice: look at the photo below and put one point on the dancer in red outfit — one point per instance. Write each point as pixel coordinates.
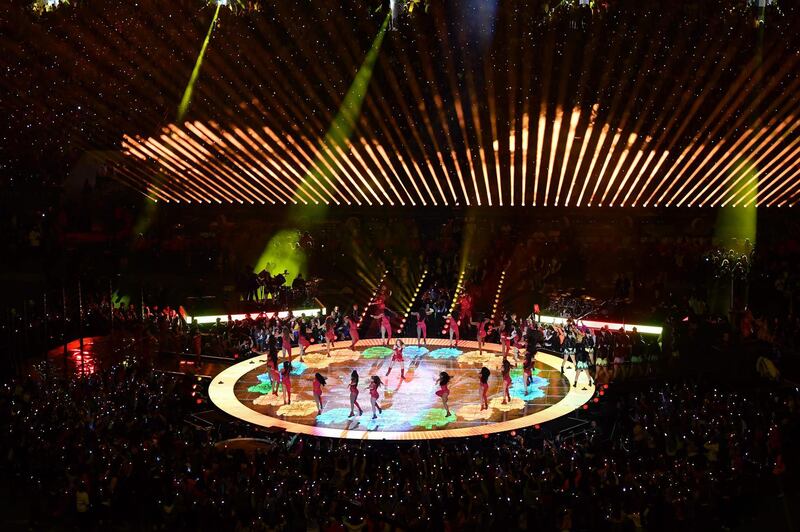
(397, 356)
(527, 370)
(330, 334)
(466, 307)
(422, 327)
(453, 320)
(352, 324)
(319, 382)
(504, 339)
(272, 364)
(287, 382)
(506, 371)
(444, 391)
(354, 394)
(386, 326)
(484, 328)
(286, 343)
(302, 337)
(484, 387)
(374, 384)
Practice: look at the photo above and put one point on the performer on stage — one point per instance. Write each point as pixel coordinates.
(602, 351)
(484, 328)
(581, 359)
(422, 315)
(272, 363)
(330, 333)
(302, 337)
(444, 391)
(453, 329)
(484, 387)
(319, 382)
(374, 384)
(588, 344)
(286, 343)
(386, 326)
(352, 324)
(287, 382)
(466, 307)
(505, 341)
(527, 370)
(569, 346)
(506, 373)
(397, 356)
(354, 394)
(517, 340)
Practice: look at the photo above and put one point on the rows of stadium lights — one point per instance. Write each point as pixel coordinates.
(374, 295)
(497, 295)
(555, 155)
(456, 294)
(206, 163)
(407, 312)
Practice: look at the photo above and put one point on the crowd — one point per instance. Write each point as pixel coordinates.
(114, 448)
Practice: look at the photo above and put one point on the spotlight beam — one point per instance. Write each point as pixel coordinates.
(187, 94)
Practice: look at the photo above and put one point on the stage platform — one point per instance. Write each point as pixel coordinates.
(411, 410)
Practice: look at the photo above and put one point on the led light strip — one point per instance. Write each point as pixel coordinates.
(644, 329)
(457, 293)
(374, 295)
(497, 294)
(201, 320)
(413, 299)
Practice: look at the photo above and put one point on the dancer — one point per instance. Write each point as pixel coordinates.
(517, 340)
(397, 356)
(504, 339)
(569, 347)
(352, 324)
(272, 363)
(302, 337)
(453, 320)
(319, 382)
(484, 328)
(484, 387)
(386, 326)
(466, 307)
(330, 333)
(444, 391)
(286, 343)
(527, 370)
(374, 384)
(354, 394)
(506, 372)
(588, 344)
(287, 382)
(582, 360)
(422, 327)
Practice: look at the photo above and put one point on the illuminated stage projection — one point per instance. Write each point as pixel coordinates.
(411, 409)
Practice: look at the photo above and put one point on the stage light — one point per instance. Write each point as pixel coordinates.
(42, 6)
(187, 93)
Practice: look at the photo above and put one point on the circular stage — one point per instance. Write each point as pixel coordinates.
(411, 410)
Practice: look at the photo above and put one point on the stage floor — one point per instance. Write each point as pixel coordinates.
(411, 410)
